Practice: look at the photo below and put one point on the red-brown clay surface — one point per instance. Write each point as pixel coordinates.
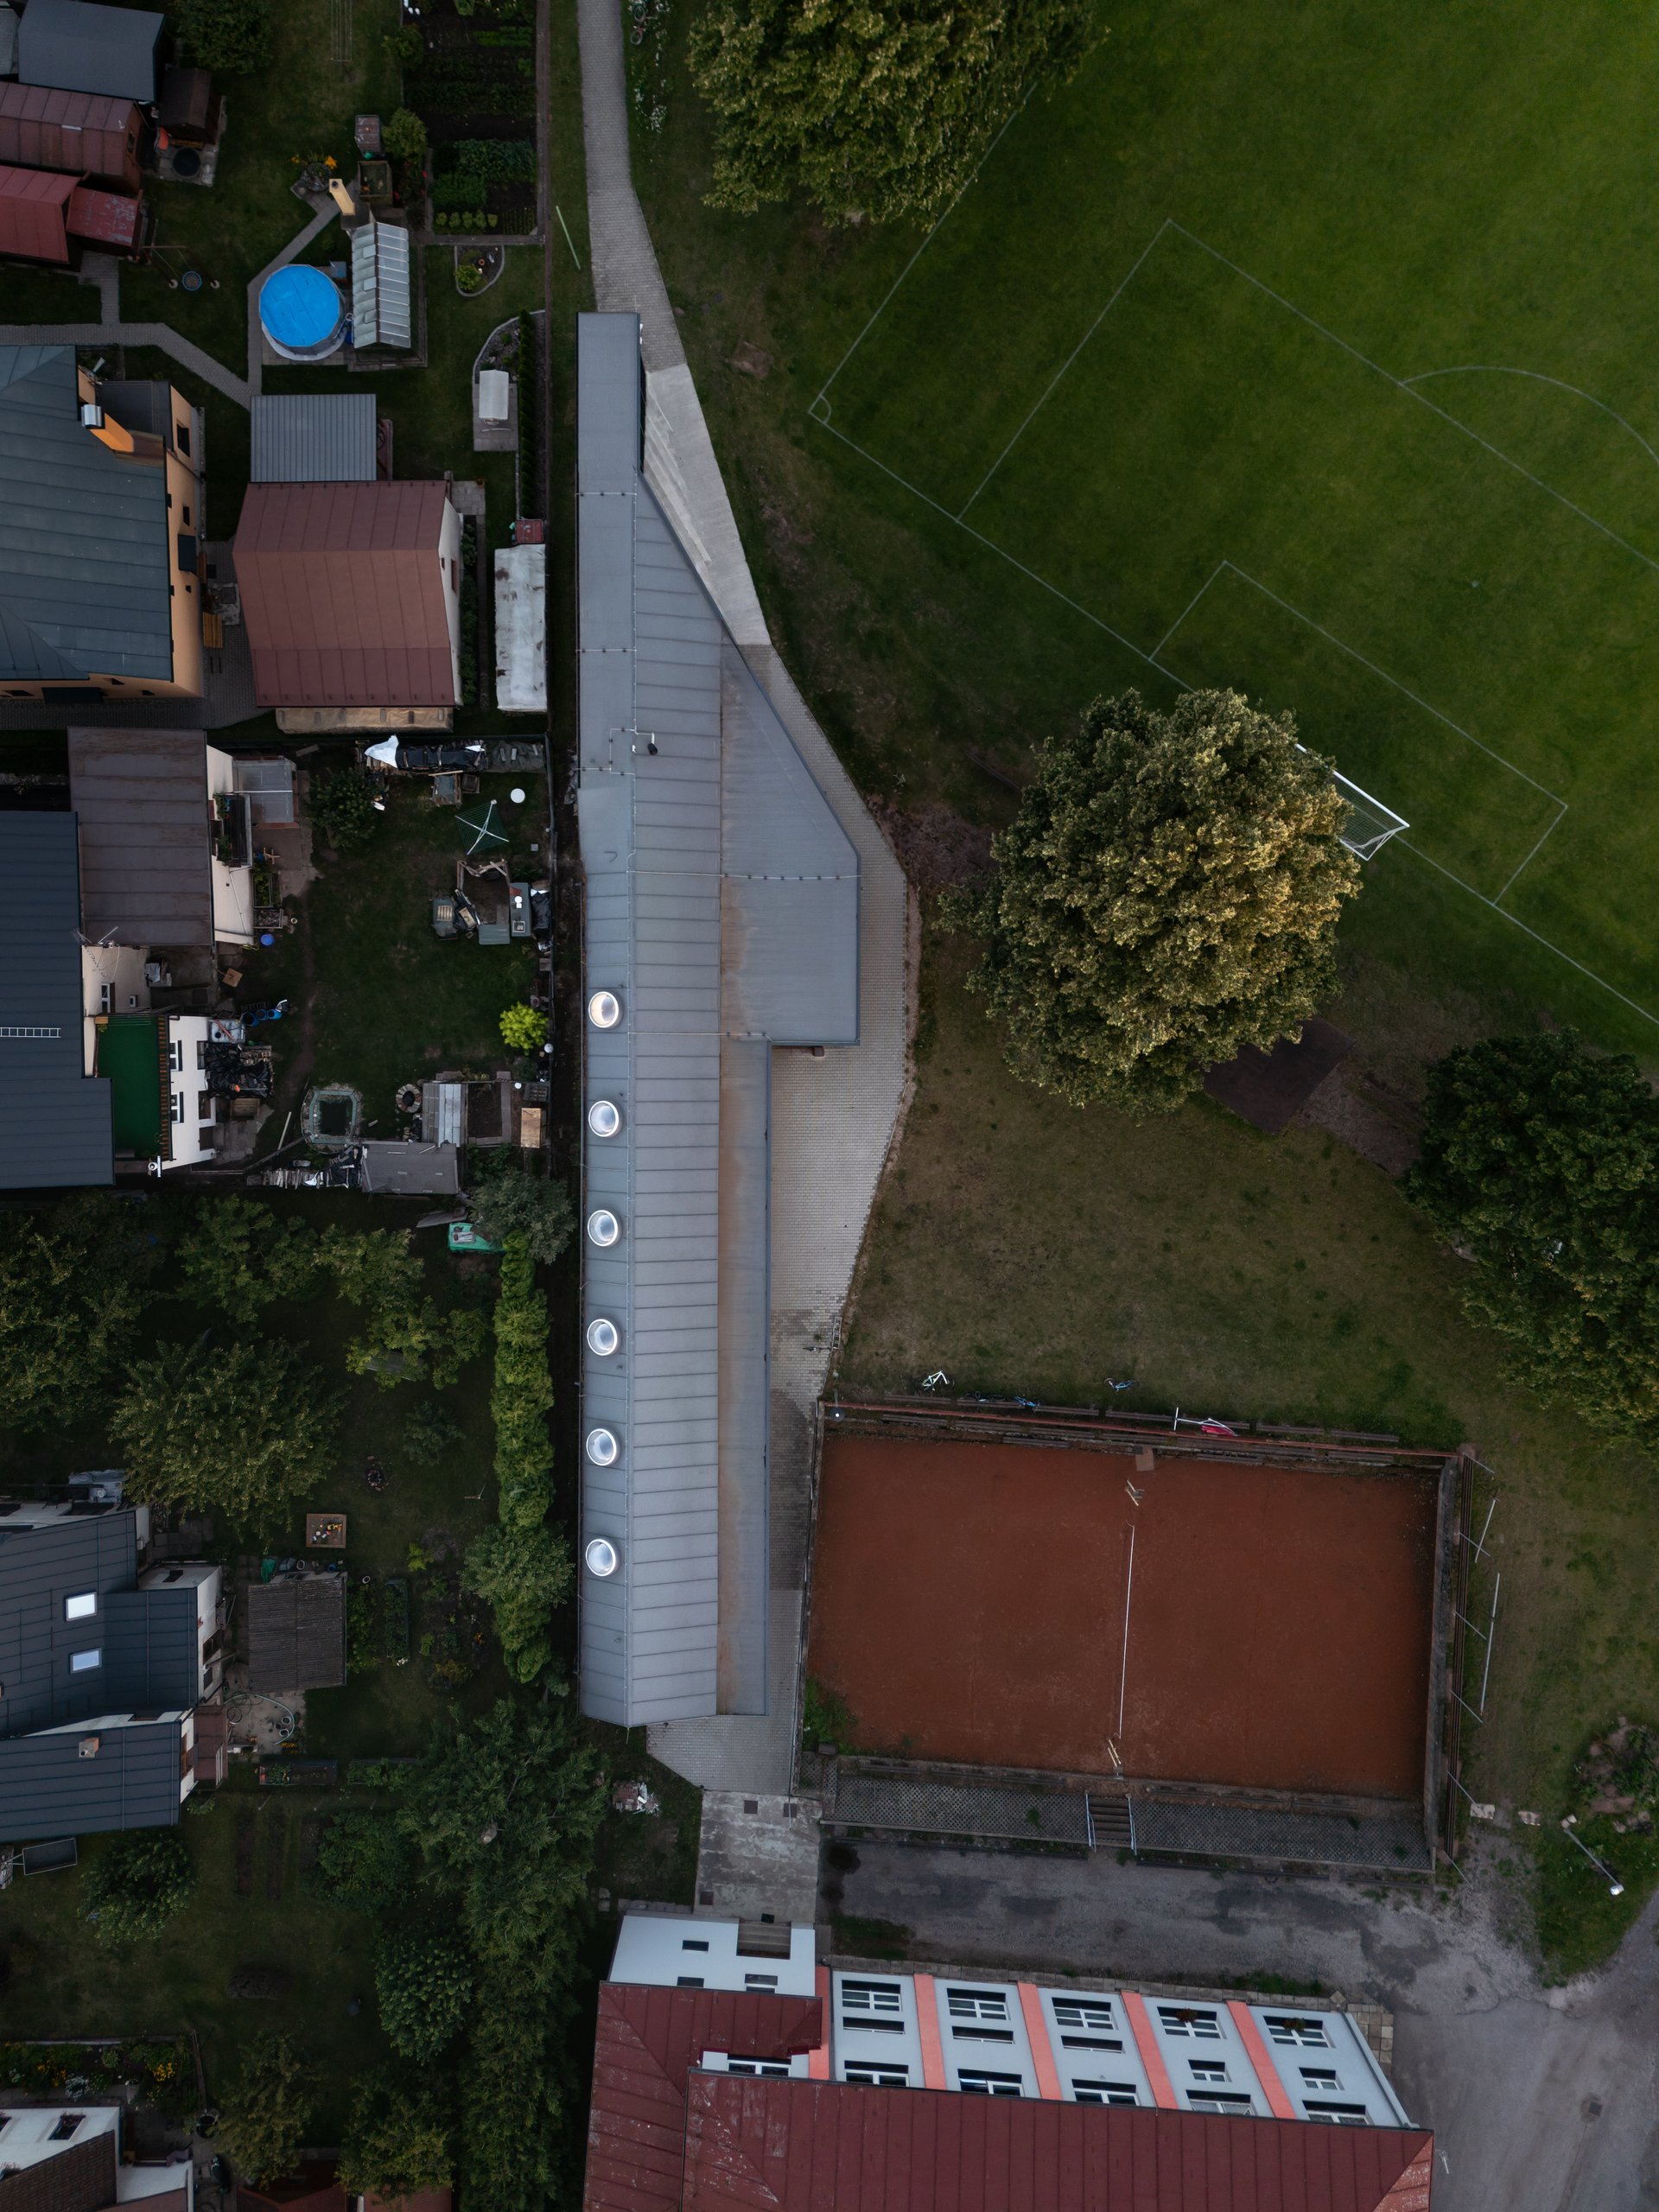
(968, 1604)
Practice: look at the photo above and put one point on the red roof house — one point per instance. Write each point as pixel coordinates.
(33, 214)
(663, 2133)
(351, 595)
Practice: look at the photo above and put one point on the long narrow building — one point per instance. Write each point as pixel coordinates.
(722, 924)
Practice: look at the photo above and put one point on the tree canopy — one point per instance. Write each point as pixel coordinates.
(406, 1337)
(398, 2144)
(245, 1429)
(871, 108)
(239, 1257)
(1167, 893)
(1542, 1160)
(264, 2117)
(508, 1201)
(233, 36)
(137, 1883)
(424, 1980)
(520, 1565)
(72, 1291)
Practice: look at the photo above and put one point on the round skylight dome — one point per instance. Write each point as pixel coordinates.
(604, 1009)
(603, 1227)
(602, 1447)
(603, 1337)
(604, 1117)
(601, 1557)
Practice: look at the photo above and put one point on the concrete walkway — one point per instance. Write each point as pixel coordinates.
(833, 1119)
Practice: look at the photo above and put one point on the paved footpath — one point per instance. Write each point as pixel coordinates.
(833, 1119)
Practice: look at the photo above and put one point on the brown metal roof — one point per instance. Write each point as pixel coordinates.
(108, 217)
(141, 799)
(296, 1633)
(32, 206)
(80, 2178)
(342, 594)
(664, 2134)
(43, 128)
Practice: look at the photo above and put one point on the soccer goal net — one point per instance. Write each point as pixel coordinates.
(1370, 824)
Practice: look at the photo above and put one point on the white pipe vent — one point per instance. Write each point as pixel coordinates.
(604, 1009)
(601, 1557)
(603, 1337)
(604, 1117)
(603, 1228)
(602, 1447)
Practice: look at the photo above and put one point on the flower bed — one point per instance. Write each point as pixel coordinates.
(163, 2072)
(474, 88)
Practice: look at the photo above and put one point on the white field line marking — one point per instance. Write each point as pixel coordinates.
(933, 231)
(1536, 376)
(1059, 373)
(1191, 604)
(1401, 384)
(1531, 856)
(1537, 939)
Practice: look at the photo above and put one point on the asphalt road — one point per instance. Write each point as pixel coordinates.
(1540, 2101)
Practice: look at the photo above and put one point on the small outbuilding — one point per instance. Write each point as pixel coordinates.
(87, 134)
(296, 1633)
(521, 629)
(79, 45)
(315, 437)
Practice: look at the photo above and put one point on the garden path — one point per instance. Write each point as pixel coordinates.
(835, 1121)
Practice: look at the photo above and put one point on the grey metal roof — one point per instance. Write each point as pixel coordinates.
(39, 1567)
(395, 1169)
(320, 437)
(80, 47)
(8, 28)
(382, 289)
(150, 1648)
(48, 1788)
(146, 837)
(55, 1118)
(721, 909)
(83, 532)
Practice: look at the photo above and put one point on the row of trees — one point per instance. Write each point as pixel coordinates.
(478, 1875)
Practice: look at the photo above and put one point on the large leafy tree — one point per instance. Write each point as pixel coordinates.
(522, 1572)
(398, 2143)
(239, 1257)
(510, 1202)
(878, 108)
(1542, 1160)
(1167, 893)
(137, 1883)
(245, 1429)
(406, 1339)
(73, 1284)
(363, 1861)
(264, 2118)
(424, 1980)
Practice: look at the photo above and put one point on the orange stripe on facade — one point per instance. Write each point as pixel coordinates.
(1042, 2051)
(1261, 2058)
(817, 2061)
(927, 2025)
(1163, 2092)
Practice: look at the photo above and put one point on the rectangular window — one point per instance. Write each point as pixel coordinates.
(181, 438)
(1339, 2115)
(1207, 2069)
(760, 1981)
(871, 1997)
(874, 2027)
(1105, 2092)
(104, 998)
(203, 1105)
(175, 1055)
(1182, 2020)
(1320, 2077)
(991, 2085)
(1091, 2042)
(201, 1062)
(1218, 2100)
(1296, 2028)
(35, 1031)
(765, 2066)
(83, 1605)
(178, 1106)
(877, 2077)
(694, 1943)
(1088, 2013)
(68, 2123)
(82, 1662)
(186, 517)
(689, 1981)
(978, 2005)
(982, 2035)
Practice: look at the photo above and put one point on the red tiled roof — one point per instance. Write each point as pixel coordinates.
(757, 2146)
(666, 2138)
(648, 2042)
(342, 594)
(32, 204)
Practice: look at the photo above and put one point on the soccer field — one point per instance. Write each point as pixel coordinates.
(1312, 351)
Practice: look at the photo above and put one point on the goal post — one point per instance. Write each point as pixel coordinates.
(1370, 824)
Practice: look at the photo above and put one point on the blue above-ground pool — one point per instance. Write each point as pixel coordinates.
(301, 312)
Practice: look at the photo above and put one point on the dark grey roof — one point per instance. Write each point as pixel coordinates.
(146, 845)
(150, 1651)
(296, 1633)
(322, 437)
(8, 28)
(54, 1119)
(39, 1567)
(391, 1169)
(82, 47)
(138, 404)
(48, 1788)
(83, 531)
(722, 910)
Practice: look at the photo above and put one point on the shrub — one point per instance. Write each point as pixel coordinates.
(520, 1566)
(404, 135)
(524, 1030)
(363, 1859)
(233, 36)
(263, 2120)
(398, 2144)
(424, 1980)
(244, 1430)
(522, 1574)
(430, 1433)
(342, 809)
(510, 1201)
(136, 1885)
(405, 45)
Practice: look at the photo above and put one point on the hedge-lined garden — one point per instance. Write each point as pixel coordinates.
(473, 83)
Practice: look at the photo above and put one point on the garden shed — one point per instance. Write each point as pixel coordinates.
(296, 1633)
(87, 134)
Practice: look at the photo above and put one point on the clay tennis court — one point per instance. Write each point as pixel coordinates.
(968, 1603)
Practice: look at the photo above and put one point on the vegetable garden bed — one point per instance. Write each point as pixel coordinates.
(474, 88)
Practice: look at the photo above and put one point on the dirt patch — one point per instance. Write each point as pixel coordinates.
(1361, 1117)
(936, 847)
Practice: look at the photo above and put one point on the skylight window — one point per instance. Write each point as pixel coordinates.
(80, 1607)
(82, 1662)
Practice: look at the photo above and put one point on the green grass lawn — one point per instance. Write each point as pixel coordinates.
(391, 1003)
